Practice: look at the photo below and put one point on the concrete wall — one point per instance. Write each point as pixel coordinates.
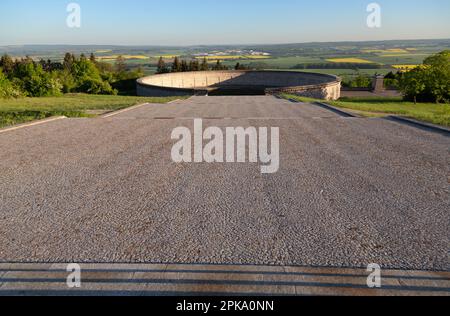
(331, 91)
(188, 83)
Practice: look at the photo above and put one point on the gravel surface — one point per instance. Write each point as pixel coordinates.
(349, 192)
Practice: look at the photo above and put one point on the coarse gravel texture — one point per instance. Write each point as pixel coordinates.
(349, 192)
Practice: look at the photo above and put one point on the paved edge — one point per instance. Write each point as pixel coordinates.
(337, 110)
(401, 119)
(110, 114)
(33, 123)
(178, 100)
(214, 280)
(326, 107)
(423, 125)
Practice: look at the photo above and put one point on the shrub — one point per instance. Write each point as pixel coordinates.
(360, 81)
(7, 88)
(429, 82)
(96, 86)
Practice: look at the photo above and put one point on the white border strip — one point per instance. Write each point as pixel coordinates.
(52, 119)
(123, 110)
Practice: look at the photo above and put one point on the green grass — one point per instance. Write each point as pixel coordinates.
(376, 106)
(16, 111)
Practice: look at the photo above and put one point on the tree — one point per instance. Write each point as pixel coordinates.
(184, 66)
(194, 65)
(7, 89)
(92, 58)
(204, 66)
(121, 64)
(437, 68)
(96, 86)
(161, 68)
(219, 66)
(176, 66)
(239, 66)
(34, 81)
(429, 82)
(104, 67)
(413, 84)
(83, 69)
(69, 59)
(47, 78)
(7, 64)
(139, 72)
(66, 79)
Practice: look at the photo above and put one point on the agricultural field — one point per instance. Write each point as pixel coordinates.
(126, 57)
(232, 57)
(350, 60)
(404, 67)
(332, 57)
(398, 59)
(345, 73)
(390, 51)
(166, 56)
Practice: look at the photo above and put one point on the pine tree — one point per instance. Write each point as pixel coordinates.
(204, 66)
(161, 66)
(176, 67)
(194, 65)
(218, 65)
(92, 58)
(184, 66)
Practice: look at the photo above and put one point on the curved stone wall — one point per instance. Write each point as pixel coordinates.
(267, 82)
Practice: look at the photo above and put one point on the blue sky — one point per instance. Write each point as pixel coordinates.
(192, 22)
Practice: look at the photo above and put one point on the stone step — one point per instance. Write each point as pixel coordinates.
(162, 279)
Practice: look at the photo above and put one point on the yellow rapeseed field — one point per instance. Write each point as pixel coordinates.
(405, 67)
(384, 51)
(350, 60)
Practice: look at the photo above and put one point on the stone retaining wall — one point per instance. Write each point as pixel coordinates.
(330, 91)
(271, 82)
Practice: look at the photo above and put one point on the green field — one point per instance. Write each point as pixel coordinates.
(427, 112)
(394, 59)
(16, 111)
(343, 72)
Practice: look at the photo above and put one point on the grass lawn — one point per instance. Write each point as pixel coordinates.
(16, 111)
(373, 107)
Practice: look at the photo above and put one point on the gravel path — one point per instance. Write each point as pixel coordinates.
(349, 192)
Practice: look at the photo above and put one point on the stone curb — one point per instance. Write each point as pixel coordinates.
(325, 106)
(110, 114)
(424, 125)
(336, 110)
(34, 123)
